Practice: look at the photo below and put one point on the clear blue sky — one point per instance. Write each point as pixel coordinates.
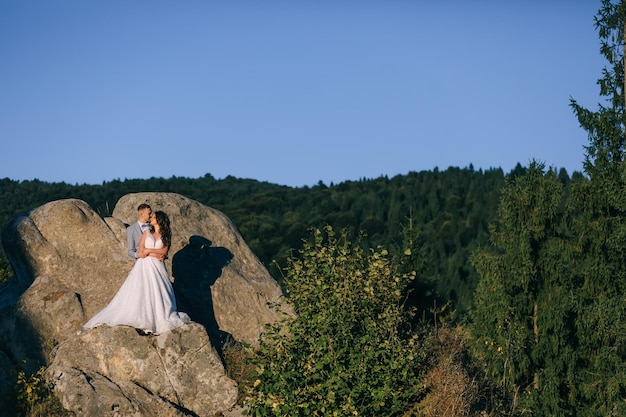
(291, 92)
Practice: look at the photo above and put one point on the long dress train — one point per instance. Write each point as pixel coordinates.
(145, 300)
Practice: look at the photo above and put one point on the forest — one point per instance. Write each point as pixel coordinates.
(518, 279)
(451, 208)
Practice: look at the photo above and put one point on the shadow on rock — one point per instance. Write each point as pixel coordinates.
(195, 268)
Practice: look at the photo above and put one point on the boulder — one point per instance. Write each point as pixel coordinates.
(217, 278)
(115, 371)
(69, 263)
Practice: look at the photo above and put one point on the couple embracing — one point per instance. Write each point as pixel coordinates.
(146, 299)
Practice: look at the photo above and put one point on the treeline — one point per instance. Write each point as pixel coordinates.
(451, 209)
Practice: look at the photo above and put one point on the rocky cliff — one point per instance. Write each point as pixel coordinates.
(69, 262)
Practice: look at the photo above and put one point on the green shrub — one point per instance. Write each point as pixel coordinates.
(350, 350)
(34, 397)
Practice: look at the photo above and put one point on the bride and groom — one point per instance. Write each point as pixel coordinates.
(146, 299)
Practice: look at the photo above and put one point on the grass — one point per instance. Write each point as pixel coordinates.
(236, 357)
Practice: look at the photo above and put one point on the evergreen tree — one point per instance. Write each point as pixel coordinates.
(524, 299)
(550, 311)
(600, 204)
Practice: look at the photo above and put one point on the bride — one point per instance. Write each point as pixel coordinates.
(146, 299)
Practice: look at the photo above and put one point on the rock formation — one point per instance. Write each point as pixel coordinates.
(69, 262)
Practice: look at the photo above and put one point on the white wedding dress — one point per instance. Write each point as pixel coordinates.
(145, 300)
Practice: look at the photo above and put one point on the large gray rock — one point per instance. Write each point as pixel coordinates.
(217, 278)
(115, 371)
(69, 263)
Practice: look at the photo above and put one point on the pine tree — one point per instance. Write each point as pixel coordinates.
(600, 205)
(550, 310)
(524, 301)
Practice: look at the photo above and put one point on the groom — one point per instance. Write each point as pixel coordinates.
(135, 230)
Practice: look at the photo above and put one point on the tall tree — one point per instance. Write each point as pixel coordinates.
(523, 300)
(601, 230)
(550, 310)
(605, 153)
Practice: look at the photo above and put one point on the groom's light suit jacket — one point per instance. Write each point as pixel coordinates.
(133, 237)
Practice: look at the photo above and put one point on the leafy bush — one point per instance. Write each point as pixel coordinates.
(31, 389)
(34, 397)
(350, 350)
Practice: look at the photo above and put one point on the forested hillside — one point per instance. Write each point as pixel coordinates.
(451, 208)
